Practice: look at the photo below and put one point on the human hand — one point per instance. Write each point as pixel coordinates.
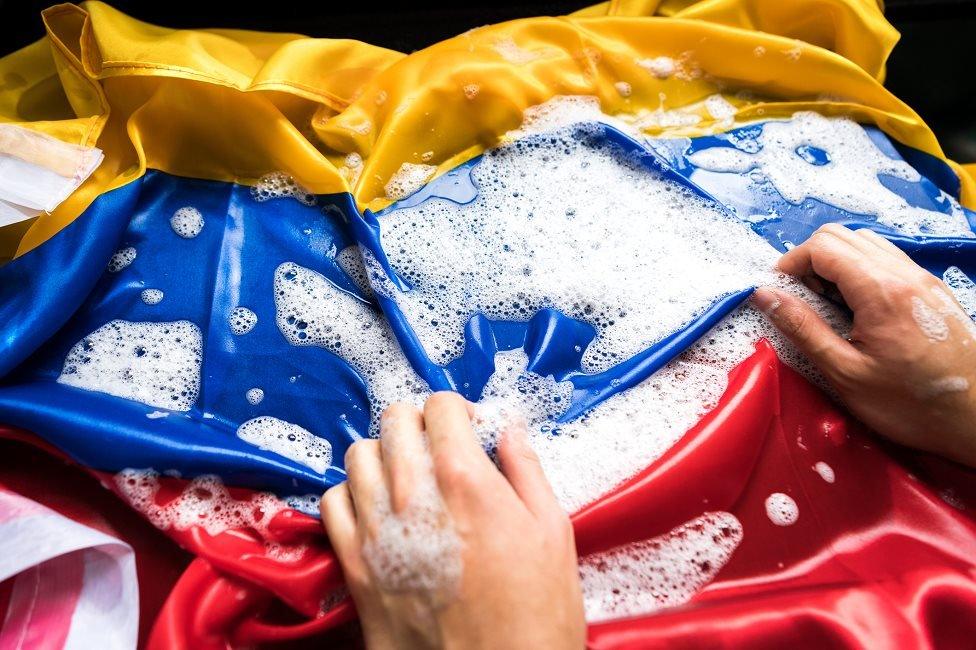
(440, 549)
(909, 368)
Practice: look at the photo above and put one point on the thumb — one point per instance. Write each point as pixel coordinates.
(806, 330)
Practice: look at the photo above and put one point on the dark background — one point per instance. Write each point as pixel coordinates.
(930, 68)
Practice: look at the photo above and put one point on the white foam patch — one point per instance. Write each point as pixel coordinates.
(514, 53)
(304, 503)
(157, 364)
(407, 180)
(350, 260)
(310, 310)
(825, 471)
(666, 571)
(352, 168)
(782, 509)
(151, 296)
(549, 213)
(187, 222)
(205, 503)
(943, 385)
(963, 289)
(661, 67)
(242, 320)
(418, 548)
(623, 88)
(849, 180)
(279, 185)
(254, 396)
(930, 321)
(288, 440)
(121, 259)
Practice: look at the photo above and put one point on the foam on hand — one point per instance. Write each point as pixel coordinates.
(187, 222)
(644, 577)
(121, 259)
(310, 310)
(206, 503)
(157, 364)
(288, 440)
(834, 160)
(418, 548)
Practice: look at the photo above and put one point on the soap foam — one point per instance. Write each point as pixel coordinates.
(942, 385)
(407, 180)
(288, 440)
(254, 396)
(666, 571)
(782, 509)
(121, 259)
(930, 321)
(849, 180)
(825, 471)
(418, 548)
(279, 185)
(157, 364)
(205, 503)
(310, 310)
(151, 296)
(623, 88)
(513, 53)
(350, 260)
(963, 288)
(661, 67)
(187, 222)
(549, 212)
(242, 320)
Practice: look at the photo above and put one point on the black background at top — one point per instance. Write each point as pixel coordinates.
(930, 69)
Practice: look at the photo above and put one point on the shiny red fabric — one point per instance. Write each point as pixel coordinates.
(884, 557)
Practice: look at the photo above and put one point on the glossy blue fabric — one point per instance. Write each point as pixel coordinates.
(59, 293)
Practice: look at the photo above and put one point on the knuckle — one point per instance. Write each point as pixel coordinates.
(441, 400)
(358, 451)
(452, 474)
(398, 409)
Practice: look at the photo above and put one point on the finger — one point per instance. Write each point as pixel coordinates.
(850, 236)
(838, 261)
(460, 464)
(520, 465)
(883, 244)
(404, 451)
(367, 485)
(449, 431)
(807, 331)
(339, 519)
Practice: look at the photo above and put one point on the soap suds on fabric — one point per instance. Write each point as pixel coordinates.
(407, 180)
(645, 577)
(825, 471)
(963, 289)
(782, 509)
(242, 320)
(121, 259)
(254, 396)
(849, 178)
(206, 503)
(187, 222)
(288, 440)
(310, 310)
(151, 296)
(279, 185)
(591, 204)
(157, 364)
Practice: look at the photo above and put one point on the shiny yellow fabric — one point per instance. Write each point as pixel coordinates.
(233, 105)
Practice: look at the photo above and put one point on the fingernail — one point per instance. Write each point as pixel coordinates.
(766, 300)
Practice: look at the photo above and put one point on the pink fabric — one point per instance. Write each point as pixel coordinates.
(42, 604)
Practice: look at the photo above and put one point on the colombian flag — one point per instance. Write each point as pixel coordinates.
(167, 197)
